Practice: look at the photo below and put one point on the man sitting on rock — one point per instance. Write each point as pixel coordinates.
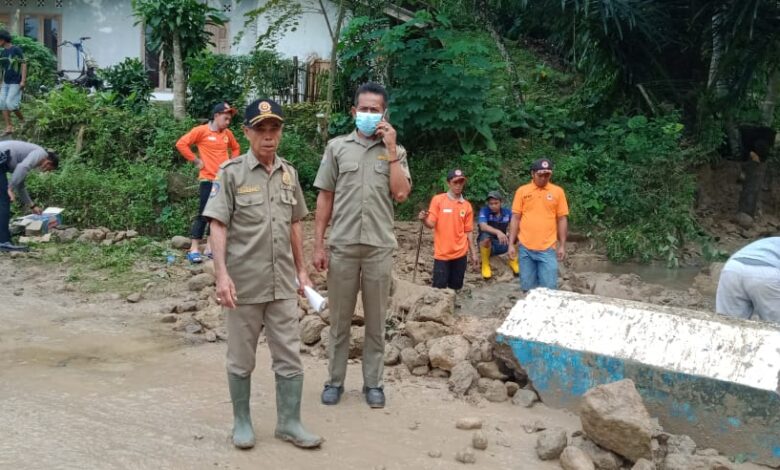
(19, 158)
(750, 282)
(493, 237)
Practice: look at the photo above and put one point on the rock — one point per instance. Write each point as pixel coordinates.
(180, 242)
(550, 443)
(468, 423)
(402, 342)
(680, 444)
(434, 454)
(479, 440)
(325, 337)
(525, 398)
(614, 417)
(744, 220)
(421, 332)
(411, 358)
(106, 243)
(193, 327)
(421, 370)
(490, 370)
(131, 234)
(211, 336)
(357, 337)
(643, 464)
(92, 235)
(573, 458)
(695, 462)
(466, 456)
(495, 391)
(221, 333)
(188, 306)
(133, 298)
(311, 328)
(200, 281)
(169, 318)
(440, 374)
(462, 377)
(602, 459)
(392, 355)
(195, 269)
(68, 235)
(436, 305)
(208, 267)
(207, 292)
(447, 351)
(511, 388)
(201, 304)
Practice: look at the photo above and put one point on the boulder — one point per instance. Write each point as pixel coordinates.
(402, 342)
(524, 397)
(495, 391)
(550, 443)
(311, 328)
(447, 351)
(436, 305)
(421, 332)
(199, 282)
(180, 243)
(412, 358)
(92, 235)
(602, 459)
(573, 458)
(614, 417)
(135, 297)
(479, 441)
(511, 388)
(643, 464)
(392, 355)
(491, 370)
(68, 235)
(462, 377)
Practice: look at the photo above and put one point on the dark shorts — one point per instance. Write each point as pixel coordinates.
(450, 273)
(200, 223)
(495, 247)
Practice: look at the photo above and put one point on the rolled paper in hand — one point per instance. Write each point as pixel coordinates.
(317, 302)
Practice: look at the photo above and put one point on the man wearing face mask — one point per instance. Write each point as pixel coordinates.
(360, 176)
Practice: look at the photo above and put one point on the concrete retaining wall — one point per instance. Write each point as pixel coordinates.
(711, 377)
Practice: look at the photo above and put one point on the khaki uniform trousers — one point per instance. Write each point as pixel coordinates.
(244, 323)
(352, 268)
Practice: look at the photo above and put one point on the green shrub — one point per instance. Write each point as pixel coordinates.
(129, 82)
(214, 78)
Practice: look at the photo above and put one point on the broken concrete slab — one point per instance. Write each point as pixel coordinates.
(710, 377)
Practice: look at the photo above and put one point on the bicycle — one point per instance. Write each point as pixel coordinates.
(86, 67)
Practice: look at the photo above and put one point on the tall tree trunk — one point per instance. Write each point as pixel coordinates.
(335, 33)
(179, 83)
(770, 101)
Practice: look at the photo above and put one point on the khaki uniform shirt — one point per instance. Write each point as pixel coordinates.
(358, 172)
(258, 209)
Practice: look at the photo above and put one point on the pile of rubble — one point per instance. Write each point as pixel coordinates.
(102, 235)
(618, 433)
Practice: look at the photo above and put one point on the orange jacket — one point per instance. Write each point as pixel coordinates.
(212, 146)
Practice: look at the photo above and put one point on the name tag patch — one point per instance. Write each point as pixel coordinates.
(248, 189)
(447, 211)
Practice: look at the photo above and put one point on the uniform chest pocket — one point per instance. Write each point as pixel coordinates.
(349, 174)
(383, 168)
(250, 205)
(288, 197)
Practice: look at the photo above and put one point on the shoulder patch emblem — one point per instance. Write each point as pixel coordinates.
(549, 197)
(286, 179)
(214, 189)
(463, 212)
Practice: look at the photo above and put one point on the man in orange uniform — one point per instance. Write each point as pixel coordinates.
(215, 143)
(540, 211)
(452, 220)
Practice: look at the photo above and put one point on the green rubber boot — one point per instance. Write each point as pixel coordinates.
(288, 413)
(243, 434)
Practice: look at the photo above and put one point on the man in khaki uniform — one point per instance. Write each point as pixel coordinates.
(255, 208)
(360, 176)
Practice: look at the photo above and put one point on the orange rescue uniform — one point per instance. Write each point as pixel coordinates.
(213, 148)
(454, 220)
(539, 210)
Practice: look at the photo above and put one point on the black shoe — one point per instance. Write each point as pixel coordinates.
(375, 397)
(331, 395)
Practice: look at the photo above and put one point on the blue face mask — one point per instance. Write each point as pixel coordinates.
(366, 122)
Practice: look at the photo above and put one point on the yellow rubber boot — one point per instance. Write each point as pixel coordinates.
(485, 252)
(514, 266)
